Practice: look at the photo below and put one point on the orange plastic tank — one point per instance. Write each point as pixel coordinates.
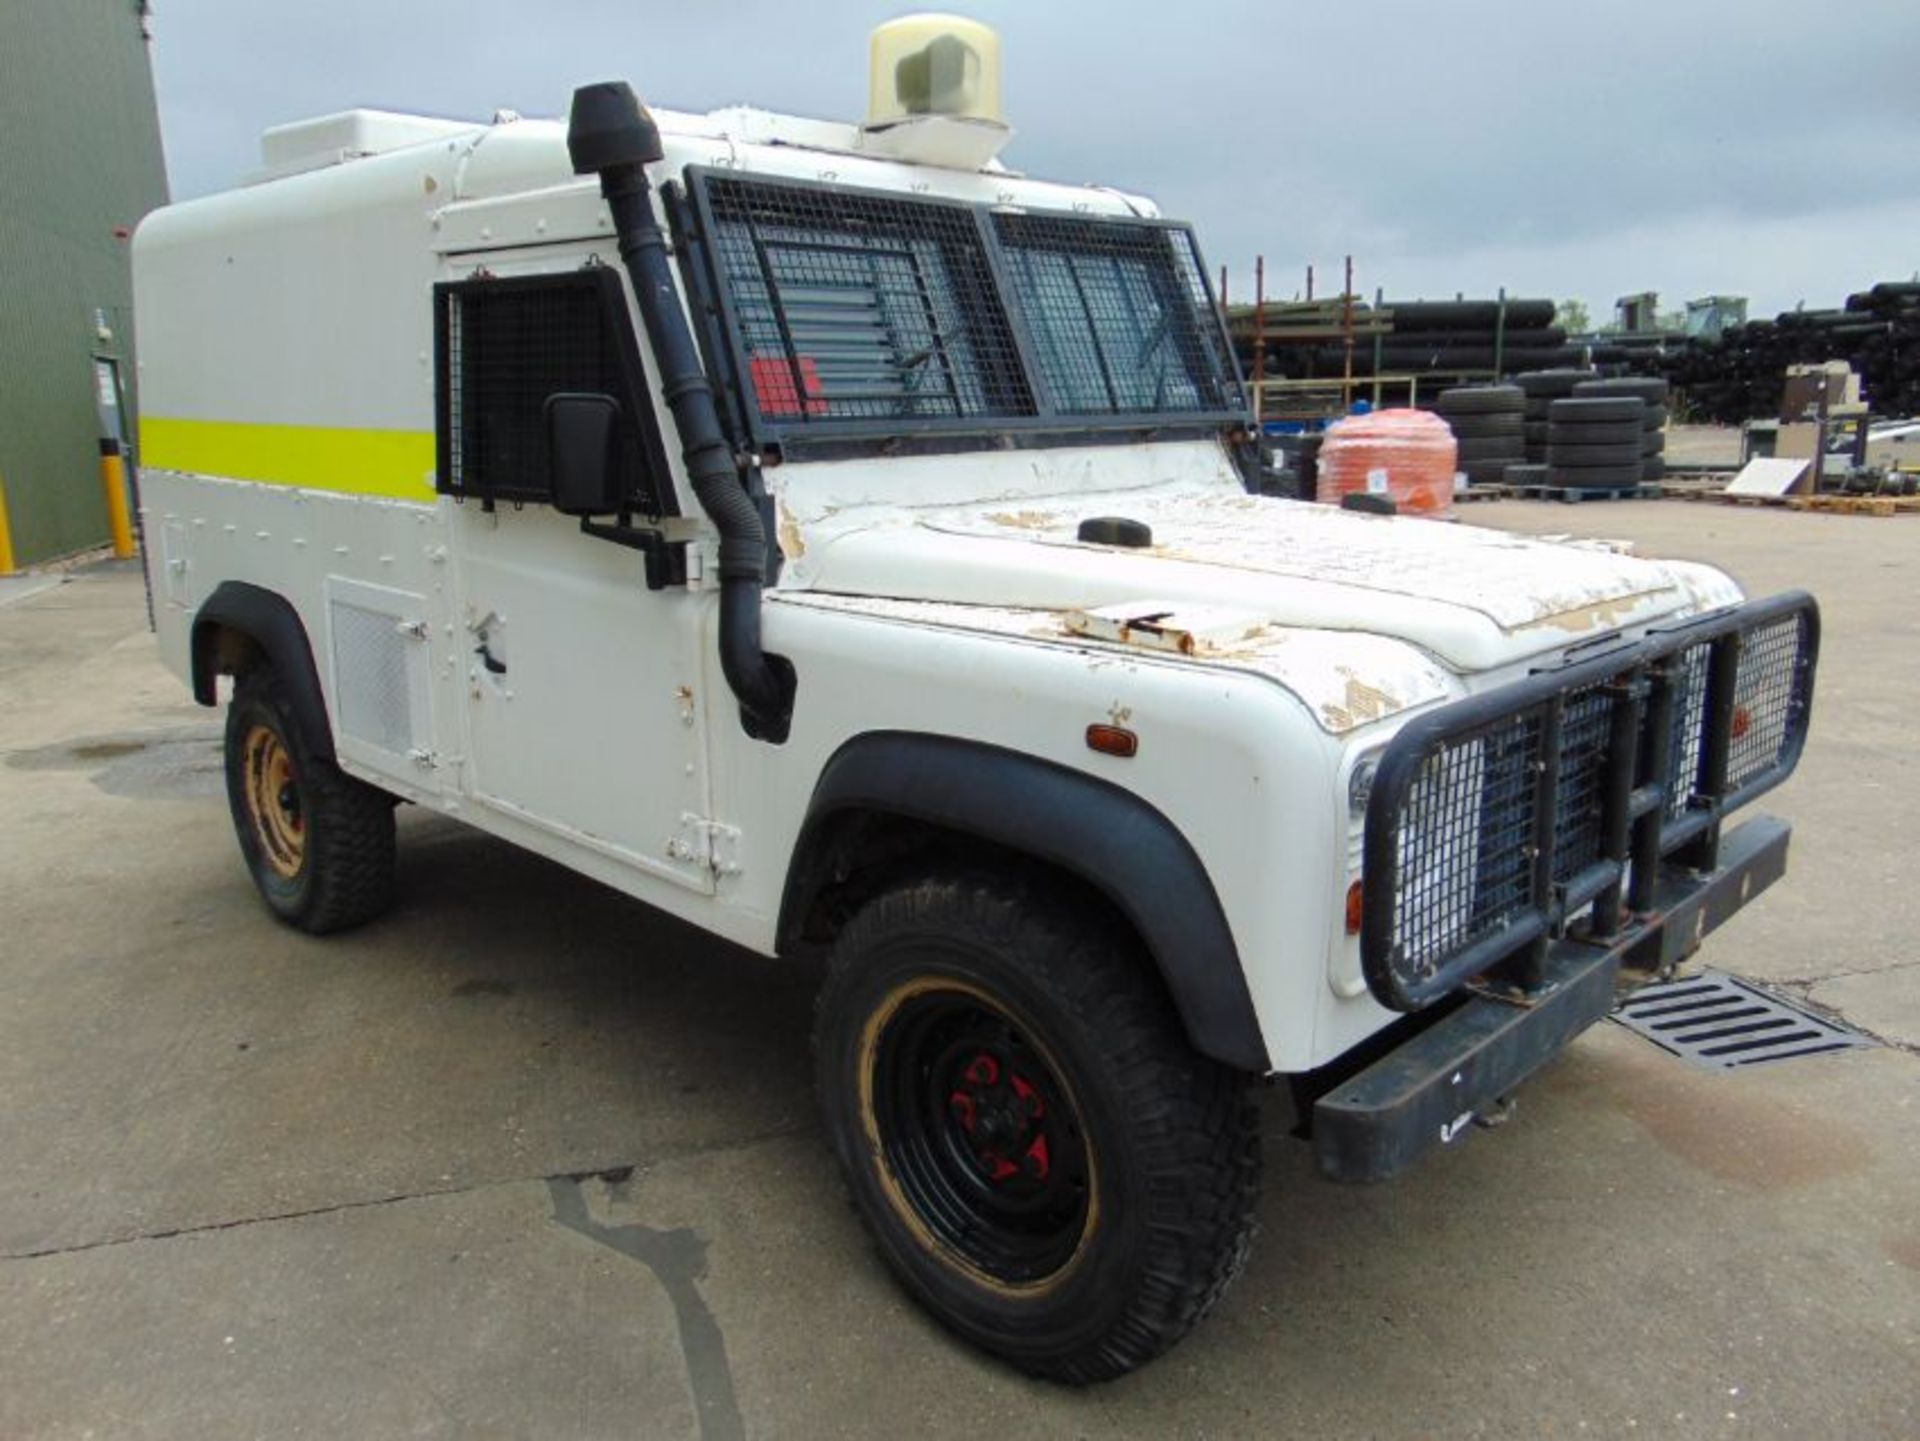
(1408, 455)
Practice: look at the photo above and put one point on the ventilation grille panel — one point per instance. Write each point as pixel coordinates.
(374, 681)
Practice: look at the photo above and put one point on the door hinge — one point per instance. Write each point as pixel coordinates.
(709, 843)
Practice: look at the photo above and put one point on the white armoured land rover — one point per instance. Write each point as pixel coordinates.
(842, 542)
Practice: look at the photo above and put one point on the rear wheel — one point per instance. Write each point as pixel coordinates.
(318, 842)
(1040, 1156)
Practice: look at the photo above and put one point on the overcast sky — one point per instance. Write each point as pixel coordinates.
(1585, 148)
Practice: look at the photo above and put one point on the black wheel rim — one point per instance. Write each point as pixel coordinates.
(982, 1138)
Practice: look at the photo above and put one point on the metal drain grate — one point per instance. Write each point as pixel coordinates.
(1719, 1022)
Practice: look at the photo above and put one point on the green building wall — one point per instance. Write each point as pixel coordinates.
(80, 163)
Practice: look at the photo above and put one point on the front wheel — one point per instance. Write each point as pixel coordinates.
(319, 843)
(1041, 1157)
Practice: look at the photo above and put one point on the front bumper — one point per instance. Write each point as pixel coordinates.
(1430, 1089)
(1551, 806)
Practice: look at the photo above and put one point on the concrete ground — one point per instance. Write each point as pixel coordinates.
(527, 1160)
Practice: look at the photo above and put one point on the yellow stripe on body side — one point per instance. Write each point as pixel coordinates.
(395, 464)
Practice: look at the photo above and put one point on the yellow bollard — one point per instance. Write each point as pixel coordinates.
(7, 566)
(113, 475)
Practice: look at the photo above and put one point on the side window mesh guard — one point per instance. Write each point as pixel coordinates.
(502, 346)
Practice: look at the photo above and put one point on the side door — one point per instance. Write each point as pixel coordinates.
(583, 687)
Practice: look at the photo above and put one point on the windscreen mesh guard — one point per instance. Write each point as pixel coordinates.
(857, 306)
(852, 313)
(1119, 314)
(1499, 821)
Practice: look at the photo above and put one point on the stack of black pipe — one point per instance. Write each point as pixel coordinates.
(1487, 422)
(1424, 337)
(1449, 336)
(1595, 442)
(1653, 422)
(1739, 376)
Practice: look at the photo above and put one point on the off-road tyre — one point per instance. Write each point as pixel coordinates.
(1581, 457)
(1606, 432)
(1482, 427)
(1490, 447)
(1650, 389)
(943, 989)
(1589, 410)
(318, 843)
(1550, 383)
(1596, 477)
(1482, 400)
(1488, 472)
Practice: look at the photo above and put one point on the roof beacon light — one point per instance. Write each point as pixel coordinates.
(934, 95)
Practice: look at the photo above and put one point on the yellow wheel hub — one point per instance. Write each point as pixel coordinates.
(273, 801)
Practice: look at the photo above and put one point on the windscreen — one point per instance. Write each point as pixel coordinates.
(1120, 318)
(851, 307)
(851, 312)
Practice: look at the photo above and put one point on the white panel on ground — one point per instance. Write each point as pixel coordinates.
(1769, 475)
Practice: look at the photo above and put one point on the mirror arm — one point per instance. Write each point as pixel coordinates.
(666, 560)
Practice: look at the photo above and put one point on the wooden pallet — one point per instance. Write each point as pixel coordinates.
(1734, 497)
(1573, 493)
(1882, 505)
(1857, 504)
(1482, 492)
(1690, 487)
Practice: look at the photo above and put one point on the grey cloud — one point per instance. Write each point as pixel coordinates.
(1411, 134)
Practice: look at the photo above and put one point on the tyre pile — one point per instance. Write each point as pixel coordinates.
(1739, 376)
(1542, 388)
(1489, 422)
(1594, 442)
(1653, 422)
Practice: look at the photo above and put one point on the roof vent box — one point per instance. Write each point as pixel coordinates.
(349, 135)
(934, 92)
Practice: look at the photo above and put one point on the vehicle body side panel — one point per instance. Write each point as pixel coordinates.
(1232, 760)
(1094, 830)
(1236, 763)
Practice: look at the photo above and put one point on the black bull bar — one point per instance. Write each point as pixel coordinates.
(1538, 837)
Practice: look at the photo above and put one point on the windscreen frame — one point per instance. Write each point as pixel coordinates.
(1043, 418)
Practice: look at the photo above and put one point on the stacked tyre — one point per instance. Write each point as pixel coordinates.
(1488, 421)
(1594, 442)
(1542, 388)
(1653, 432)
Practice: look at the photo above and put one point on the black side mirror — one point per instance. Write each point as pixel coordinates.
(583, 450)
